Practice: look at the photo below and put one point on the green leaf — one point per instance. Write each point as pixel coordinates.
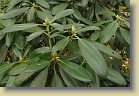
(59, 7)
(3, 52)
(57, 26)
(76, 71)
(11, 82)
(56, 81)
(94, 36)
(36, 66)
(77, 14)
(40, 79)
(88, 28)
(5, 67)
(115, 77)
(60, 44)
(42, 50)
(13, 3)
(126, 35)
(106, 50)
(22, 77)
(19, 41)
(18, 27)
(62, 14)
(30, 14)
(17, 69)
(7, 22)
(34, 35)
(15, 12)
(16, 51)
(27, 50)
(43, 15)
(69, 80)
(108, 32)
(93, 57)
(9, 39)
(84, 3)
(42, 3)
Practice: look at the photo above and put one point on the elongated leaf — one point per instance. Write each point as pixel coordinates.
(17, 69)
(115, 77)
(3, 52)
(106, 50)
(57, 26)
(5, 67)
(18, 27)
(22, 77)
(108, 32)
(96, 81)
(30, 14)
(19, 41)
(27, 50)
(13, 3)
(43, 15)
(36, 66)
(16, 51)
(95, 36)
(88, 28)
(60, 44)
(76, 71)
(126, 35)
(34, 35)
(62, 14)
(39, 51)
(43, 3)
(59, 8)
(7, 22)
(77, 14)
(69, 80)
(84, 2)
(9, 39)
(93, 57)
(11, 82)
(15, 12)
(40, 79)
(56, 81)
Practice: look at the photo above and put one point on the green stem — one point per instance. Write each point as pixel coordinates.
(83, 62)
(47, 28)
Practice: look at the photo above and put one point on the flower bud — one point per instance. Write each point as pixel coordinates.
(46, 21)
(73, 31)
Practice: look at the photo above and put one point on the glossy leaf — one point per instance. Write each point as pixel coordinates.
(88, 28)
(59, 7)
(95, 36)
(43, 3)
(69, 80)
(3, 52)
(15, 12)
(93, 57)
(40, 79)
(62, 14)
(5, 67)
(108, 32)
(30, 14)
(11, 81)
(76, 71)
(34, 35)
(106, 50)
(9, 39)
(125, 34)
(36, 66)
(17, 69)
(115, 77)
(56, 81)
(18, 27)
(60, 44)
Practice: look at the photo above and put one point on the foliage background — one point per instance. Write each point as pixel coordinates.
(108, 83)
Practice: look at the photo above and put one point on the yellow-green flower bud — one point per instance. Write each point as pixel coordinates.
(46, 21)
(73, 31)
